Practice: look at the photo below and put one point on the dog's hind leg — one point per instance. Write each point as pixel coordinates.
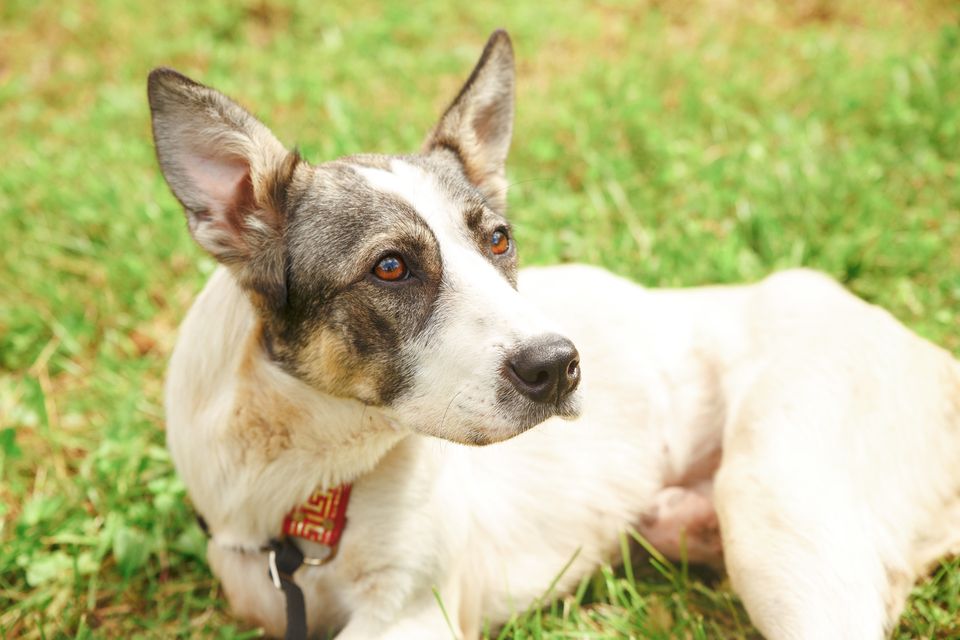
(798, 547)
(798, 580)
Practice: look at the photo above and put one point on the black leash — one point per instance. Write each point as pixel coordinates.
(285, 558)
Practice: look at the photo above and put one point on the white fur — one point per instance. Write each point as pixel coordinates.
(839, 482)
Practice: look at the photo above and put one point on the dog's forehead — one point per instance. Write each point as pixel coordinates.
(440, 197)
(339, 187)
(335, 213)
(355, 196)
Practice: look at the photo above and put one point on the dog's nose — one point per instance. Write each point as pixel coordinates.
(546, 371)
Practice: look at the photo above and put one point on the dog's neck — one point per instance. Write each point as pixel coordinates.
(278, 439)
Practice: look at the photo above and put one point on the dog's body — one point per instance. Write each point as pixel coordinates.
(826, 435)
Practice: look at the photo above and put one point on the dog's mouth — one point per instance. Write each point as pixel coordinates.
(516, 412)
(568, 406)
(478, 419)
(499, 394)
(538, 381)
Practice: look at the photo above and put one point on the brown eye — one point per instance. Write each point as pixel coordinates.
(499, 242)
(390, 268)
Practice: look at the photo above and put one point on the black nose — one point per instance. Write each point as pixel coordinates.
(546, 370)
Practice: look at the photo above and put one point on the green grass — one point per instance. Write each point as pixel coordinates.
(677, 142)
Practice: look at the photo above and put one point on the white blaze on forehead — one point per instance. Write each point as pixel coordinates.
(479, 284)
(421, 191)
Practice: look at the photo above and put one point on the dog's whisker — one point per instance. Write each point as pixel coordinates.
(519, 182)
(443, 419)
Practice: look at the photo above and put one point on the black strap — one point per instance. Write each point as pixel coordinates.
(288, 559)
(285, 558)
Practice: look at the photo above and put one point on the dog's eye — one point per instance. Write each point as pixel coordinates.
(391, 268)
(499, 242)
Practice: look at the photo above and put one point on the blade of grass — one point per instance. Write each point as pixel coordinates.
(436, 595)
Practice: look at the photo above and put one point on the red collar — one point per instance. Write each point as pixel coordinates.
(321, 518)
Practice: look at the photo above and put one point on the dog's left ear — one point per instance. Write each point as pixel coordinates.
(231, 175)
(479, 124)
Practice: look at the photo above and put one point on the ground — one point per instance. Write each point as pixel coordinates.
(677, 142)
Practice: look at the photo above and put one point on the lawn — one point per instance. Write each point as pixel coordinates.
(677, 142)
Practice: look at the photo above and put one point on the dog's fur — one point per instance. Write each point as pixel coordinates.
(298, 368)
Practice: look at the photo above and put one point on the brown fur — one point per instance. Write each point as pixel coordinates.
(262, 418)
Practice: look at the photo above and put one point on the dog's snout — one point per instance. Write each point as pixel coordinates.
(547, 370)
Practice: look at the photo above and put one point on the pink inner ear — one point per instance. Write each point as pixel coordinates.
(492, 130)
(224, 188)
(488, 124)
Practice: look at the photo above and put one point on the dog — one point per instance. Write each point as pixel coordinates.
(368, 308)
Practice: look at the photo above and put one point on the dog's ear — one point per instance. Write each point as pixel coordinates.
(479, 124)
(230, 174)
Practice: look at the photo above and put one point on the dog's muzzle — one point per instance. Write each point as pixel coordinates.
(546, 371)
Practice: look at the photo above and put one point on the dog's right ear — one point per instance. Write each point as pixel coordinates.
(478, 126)
(230, 174)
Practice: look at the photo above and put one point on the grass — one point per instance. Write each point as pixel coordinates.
(677, 142)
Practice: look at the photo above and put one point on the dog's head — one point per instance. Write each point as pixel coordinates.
(389, 279)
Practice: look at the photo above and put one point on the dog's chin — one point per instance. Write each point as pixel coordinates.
(507, 421)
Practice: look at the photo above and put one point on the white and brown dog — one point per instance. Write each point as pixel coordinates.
(368, 306)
